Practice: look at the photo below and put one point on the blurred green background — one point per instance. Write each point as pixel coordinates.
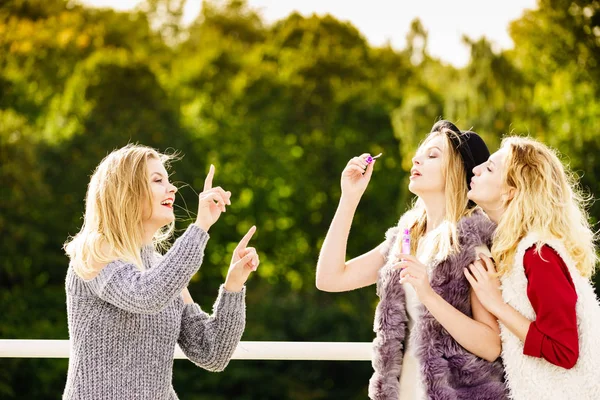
(279, 109)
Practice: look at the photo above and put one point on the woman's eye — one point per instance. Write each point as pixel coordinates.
(489, 169)
(158, 180)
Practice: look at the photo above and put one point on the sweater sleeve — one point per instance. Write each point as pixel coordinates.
(553, 335)
(209, 341)
(148, 292)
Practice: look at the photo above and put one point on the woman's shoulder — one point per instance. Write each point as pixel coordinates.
(536, 247)
(548, 271)
(93, 266)
(543, 256)
(89, 271)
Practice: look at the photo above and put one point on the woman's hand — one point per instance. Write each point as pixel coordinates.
(356, 177)
(244, 261)
(415, 273)
(486, 285)
(212, 202)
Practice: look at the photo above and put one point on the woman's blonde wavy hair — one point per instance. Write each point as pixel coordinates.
(445, 241)
(547, 200)
(117, 195)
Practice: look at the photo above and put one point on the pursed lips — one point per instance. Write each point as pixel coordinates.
(414, 173)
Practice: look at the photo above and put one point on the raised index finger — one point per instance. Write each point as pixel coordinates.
(209, 178)
(246, 239)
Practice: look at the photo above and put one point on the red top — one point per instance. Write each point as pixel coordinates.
(553, 335)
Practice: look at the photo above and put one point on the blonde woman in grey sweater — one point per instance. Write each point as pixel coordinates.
(128, 305)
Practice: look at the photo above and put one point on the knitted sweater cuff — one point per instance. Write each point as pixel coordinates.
(231, 303)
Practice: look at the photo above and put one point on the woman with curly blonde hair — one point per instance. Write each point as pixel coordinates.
(540, 288)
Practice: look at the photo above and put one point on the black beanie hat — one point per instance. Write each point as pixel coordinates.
(469, 144)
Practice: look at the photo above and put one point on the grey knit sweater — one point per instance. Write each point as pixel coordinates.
(124, 324)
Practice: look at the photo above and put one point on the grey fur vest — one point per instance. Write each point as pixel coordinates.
(449, 371)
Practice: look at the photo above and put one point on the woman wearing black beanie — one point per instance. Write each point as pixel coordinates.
(434, 338)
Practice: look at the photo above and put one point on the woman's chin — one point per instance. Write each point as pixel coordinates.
(169, 220)
(163, 222)
(423, 190)
(414, 189)
(471, 196)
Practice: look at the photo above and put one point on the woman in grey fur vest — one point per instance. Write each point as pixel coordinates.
(127, 305)
(434, 338)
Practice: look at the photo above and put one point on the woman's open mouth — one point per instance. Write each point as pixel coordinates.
(167, 203)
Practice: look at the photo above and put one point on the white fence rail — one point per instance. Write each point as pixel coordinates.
(316, 351)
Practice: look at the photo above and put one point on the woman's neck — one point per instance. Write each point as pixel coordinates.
(435, 209)
(148, 235)
(494, 213)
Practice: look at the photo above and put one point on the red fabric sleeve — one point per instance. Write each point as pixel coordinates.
(553, 335)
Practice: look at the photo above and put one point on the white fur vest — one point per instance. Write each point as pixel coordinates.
(535, 378)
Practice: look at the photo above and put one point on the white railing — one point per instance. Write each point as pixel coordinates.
(316, 351)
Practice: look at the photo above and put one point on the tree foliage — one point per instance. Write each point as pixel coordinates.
(279, 109)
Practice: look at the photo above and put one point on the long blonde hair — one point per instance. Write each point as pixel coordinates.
(115, 201)
(547, 201)
(445, 241)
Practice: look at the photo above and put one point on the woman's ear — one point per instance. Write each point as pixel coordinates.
(509, 194)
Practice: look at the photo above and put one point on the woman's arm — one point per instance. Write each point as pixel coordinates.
(480, 335)
(209, 341)
(125, 286)
(553, 335)
(334, 274)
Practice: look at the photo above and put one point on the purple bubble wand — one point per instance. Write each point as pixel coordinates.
(370, 159)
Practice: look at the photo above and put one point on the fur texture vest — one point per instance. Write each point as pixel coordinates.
(535, 378)
(449, 371)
